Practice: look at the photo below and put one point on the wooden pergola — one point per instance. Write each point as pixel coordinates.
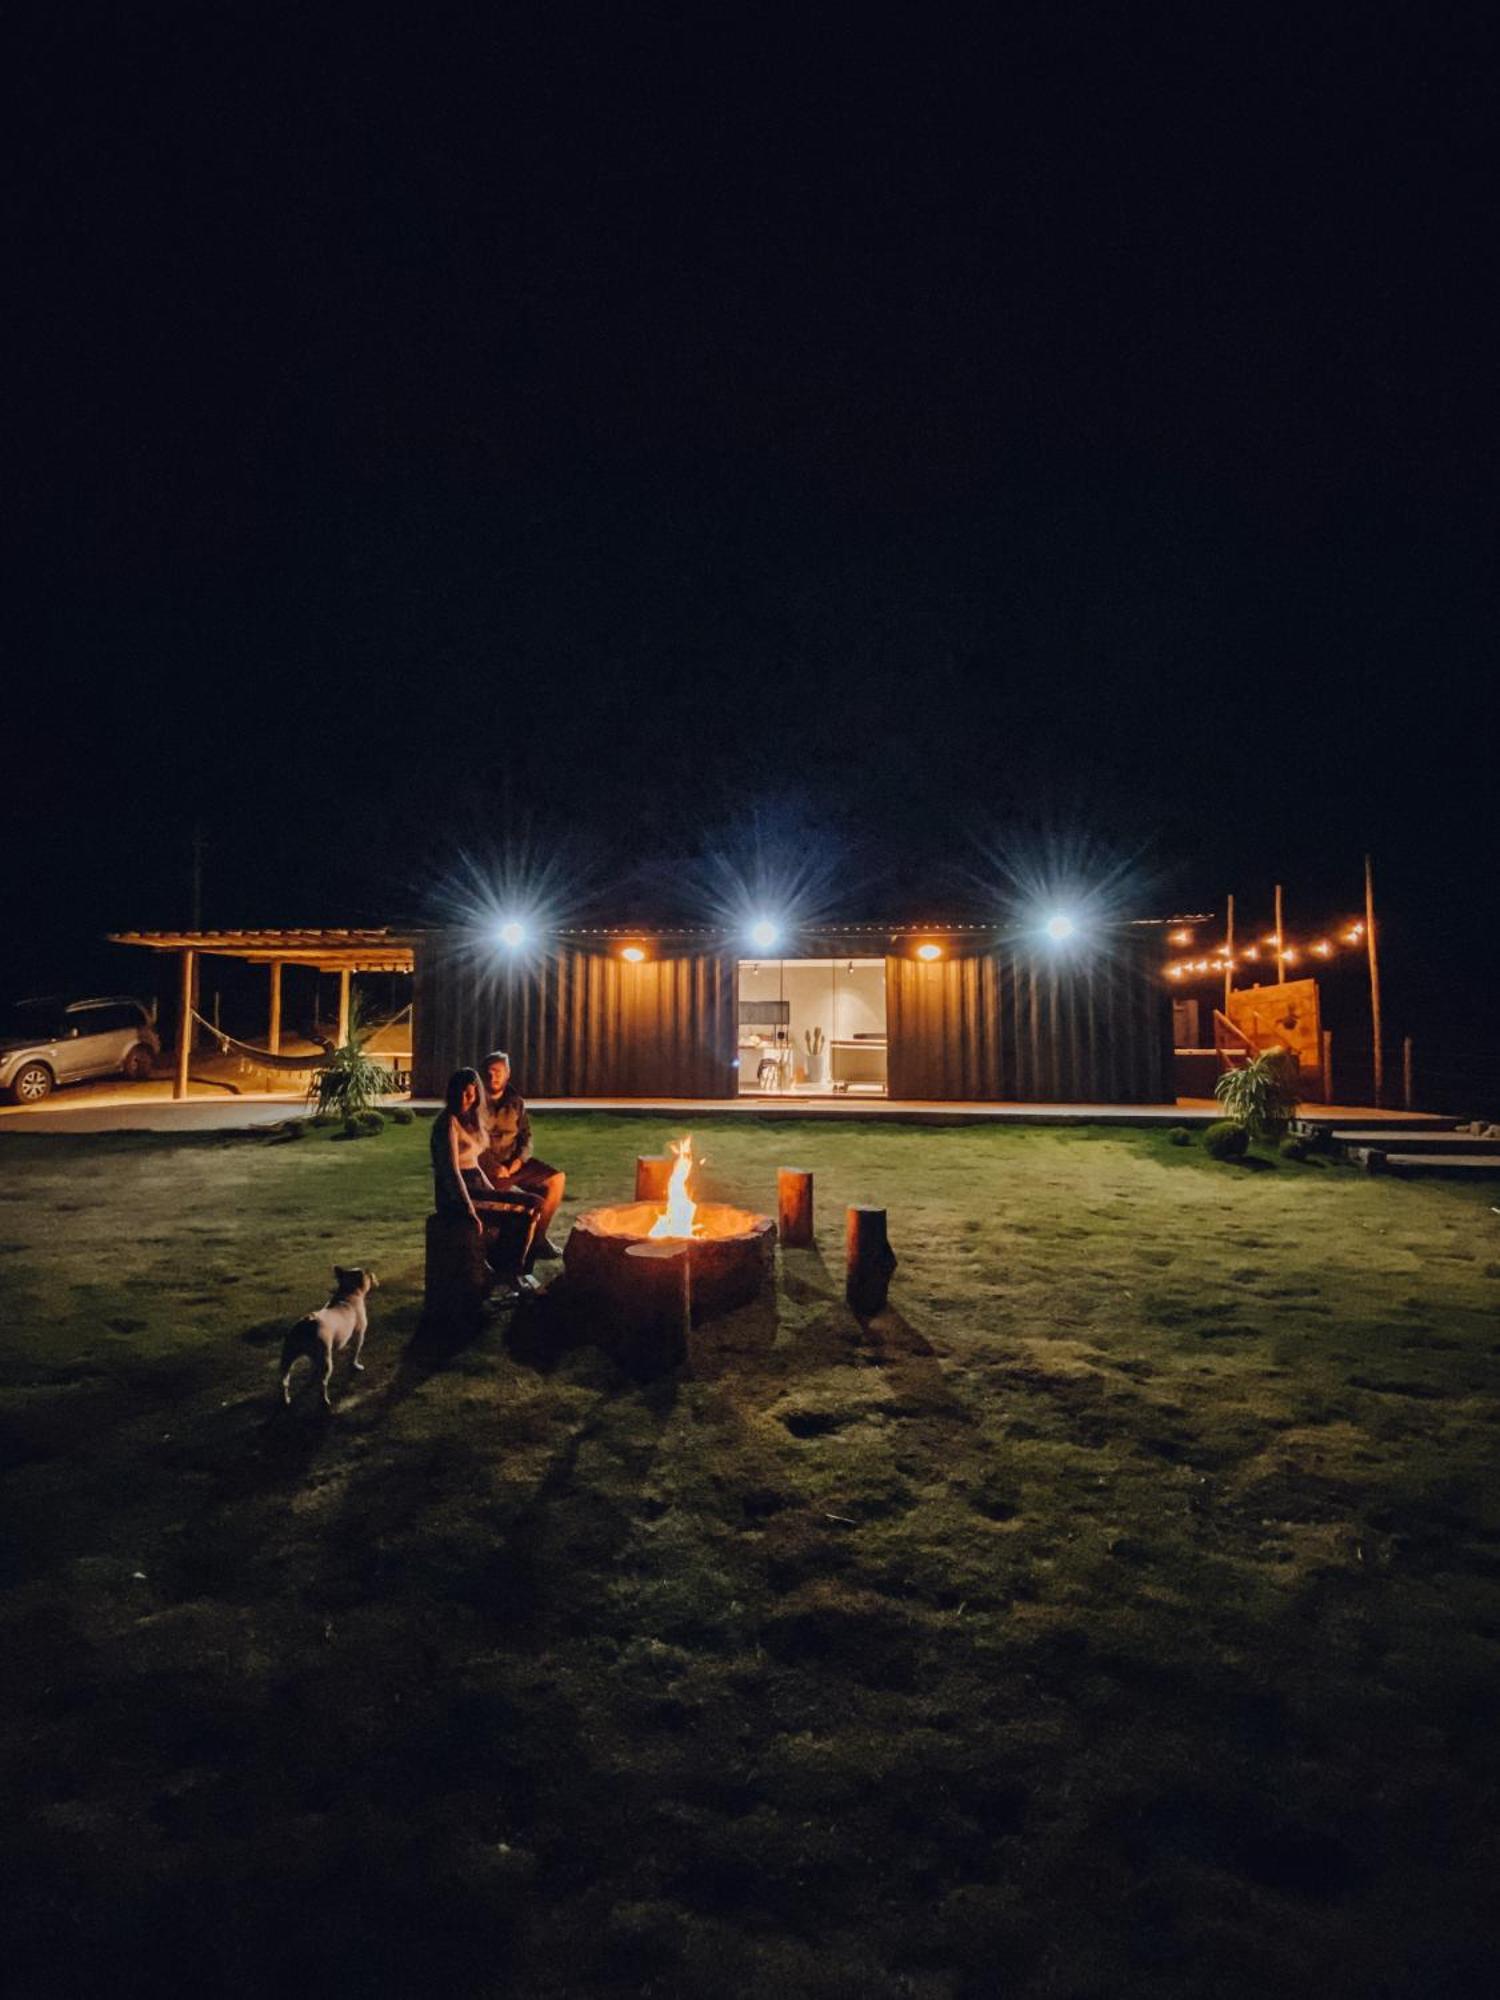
(344, 952)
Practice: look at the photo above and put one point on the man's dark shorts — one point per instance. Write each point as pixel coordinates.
(530, 1180)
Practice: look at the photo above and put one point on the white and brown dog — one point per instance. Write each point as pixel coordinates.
(329, 1330)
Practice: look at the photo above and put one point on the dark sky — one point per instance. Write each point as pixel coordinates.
(616, 418)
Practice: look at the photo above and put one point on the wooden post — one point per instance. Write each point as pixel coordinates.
(344, 979)
(1406, 1071)
(658, 1338)
(1280, 940)
(1328, 1065)
(184, 1026)
(273, 1034)
(869, 1260)
(1228, 953)
(652, 1173)
(1379, 1052)
(794, 1205)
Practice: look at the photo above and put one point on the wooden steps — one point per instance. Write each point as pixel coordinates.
(1409, 1146)
(1313, 1122)
(1401, 1140)
(1460, 1166)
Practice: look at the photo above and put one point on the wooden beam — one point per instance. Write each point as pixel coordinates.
(344, 978)
(273, 1032)
(184, 1028)
(1228, 953)
(1374, 982)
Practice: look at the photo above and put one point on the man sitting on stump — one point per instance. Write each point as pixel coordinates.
(507, 1157)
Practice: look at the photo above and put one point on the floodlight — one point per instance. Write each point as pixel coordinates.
(929, 951)
(512, 932)
(633, 954)
(1060, 927)
(763, 934)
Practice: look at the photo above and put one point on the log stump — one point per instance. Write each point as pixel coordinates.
(457, 1279)
(652, 1173)
(869, 1261)
(794, 1205)
(653, 1335)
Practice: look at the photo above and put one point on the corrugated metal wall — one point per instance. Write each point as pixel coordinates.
(986, 1026)
(578, 1023)
(1049, 1029)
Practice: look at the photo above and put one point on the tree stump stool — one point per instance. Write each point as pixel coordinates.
(869, 1261)
(794, 1205)
(654, 1335)
(652, 1173)
(457, 1279)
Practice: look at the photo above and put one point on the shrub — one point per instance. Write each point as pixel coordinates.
(1225, 1140)
(286, 1128)
(363, 1124)
(350, 1082)
(1262, 1096)
(1295, 1148)
(401, 1114)
(1179, 1135)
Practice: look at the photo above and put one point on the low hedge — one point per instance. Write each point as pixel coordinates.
(1225, 1140)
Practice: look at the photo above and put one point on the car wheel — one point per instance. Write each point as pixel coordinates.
(31, 1084)
(137, 1065)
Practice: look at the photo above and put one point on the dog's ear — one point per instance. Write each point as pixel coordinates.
(341, 1276)
(373, 1280)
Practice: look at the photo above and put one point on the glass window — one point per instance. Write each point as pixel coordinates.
(812, 1026)
(111, 1020)
(30, 1020)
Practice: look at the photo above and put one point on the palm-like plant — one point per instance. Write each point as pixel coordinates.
(351, 1081)
(1262, 1096)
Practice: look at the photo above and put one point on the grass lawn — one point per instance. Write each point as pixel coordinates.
(1120, 1613)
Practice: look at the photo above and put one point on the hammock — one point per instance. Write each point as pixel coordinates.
(265, 1058)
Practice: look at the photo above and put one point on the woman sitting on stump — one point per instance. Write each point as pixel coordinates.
(461, 1186)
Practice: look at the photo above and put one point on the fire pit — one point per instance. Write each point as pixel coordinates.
(732, 1249)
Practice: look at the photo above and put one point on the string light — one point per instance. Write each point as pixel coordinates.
(1280, 951)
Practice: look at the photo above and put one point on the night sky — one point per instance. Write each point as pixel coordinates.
(590, 429)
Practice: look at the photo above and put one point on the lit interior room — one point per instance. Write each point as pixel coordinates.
(812, 1027)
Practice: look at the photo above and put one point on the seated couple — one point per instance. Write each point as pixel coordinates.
(482, 1168)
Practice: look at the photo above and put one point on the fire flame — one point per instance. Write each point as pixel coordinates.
(679, 1217)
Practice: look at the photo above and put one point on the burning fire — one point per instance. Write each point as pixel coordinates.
(680, 1216)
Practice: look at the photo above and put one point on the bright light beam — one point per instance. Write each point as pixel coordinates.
(1060, 927)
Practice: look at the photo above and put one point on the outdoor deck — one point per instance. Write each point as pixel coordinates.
(149, 1107)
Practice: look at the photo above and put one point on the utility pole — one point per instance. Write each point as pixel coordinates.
(196, 919)
(1374, 982)
(1228, 953)
(190, 1025)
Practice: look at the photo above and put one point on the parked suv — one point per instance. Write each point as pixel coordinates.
(47, 1042)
